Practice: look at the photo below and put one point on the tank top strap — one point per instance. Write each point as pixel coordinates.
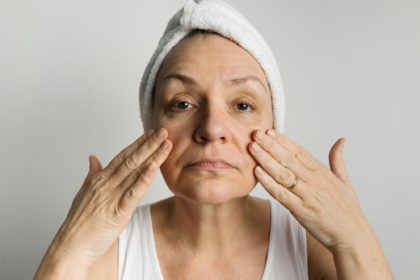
(287, 255)
(137, 257)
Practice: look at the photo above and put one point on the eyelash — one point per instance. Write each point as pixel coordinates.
(184, 101)
(249, 106)
(178, 102)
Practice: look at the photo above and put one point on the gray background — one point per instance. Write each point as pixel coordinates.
(70, 71)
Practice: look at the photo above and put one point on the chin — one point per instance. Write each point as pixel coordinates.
(211, 191)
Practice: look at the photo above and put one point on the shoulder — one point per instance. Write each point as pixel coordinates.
(320, 260)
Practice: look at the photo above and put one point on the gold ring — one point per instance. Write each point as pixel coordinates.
(294, 184)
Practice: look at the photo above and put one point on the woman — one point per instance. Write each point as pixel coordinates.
(214, 129)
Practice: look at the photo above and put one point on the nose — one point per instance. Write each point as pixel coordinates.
(212, 125)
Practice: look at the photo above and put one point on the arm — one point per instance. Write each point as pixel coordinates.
(360, 262)
(365, 259)
(320, 261)
(106, 268)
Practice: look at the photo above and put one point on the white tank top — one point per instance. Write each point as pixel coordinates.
(286, 260)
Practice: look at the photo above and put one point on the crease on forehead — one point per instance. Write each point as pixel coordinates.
(202, 33)
(250, 80)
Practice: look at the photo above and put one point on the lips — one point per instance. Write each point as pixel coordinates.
(212, 164)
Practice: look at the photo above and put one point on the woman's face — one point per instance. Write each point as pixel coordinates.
(211, 94)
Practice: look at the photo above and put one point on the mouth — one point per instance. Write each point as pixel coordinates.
(211, 164)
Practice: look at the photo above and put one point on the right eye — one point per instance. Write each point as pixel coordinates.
(180, 105)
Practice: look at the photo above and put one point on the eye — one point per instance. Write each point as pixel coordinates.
(244, 106)
(180, 105)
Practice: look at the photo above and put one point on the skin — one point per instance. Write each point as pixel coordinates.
(212, 222)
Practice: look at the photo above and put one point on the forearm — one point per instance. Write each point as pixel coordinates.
(56, 266)
(364, 260)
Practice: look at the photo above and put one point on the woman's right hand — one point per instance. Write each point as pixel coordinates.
(107, 200)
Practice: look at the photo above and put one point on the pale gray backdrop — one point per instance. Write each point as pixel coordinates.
(70, 71)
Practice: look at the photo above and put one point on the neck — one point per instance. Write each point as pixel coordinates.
(215, 229)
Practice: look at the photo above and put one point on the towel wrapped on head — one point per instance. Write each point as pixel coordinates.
(219, 17)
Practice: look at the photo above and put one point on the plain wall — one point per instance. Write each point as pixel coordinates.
(69, 79)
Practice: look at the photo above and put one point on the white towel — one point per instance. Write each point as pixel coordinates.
(222, 18)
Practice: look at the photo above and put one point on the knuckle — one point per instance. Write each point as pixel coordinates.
(286, 160)
(281, 194)
(118, 211)
(133, 176)
(311, 210)
(131, 162)
(278, 177)
(130, 194)
(278, 194)
(152, 164)
(145, 173)
(152, 141)
(120, 157)
(98, 177)
(154, 161)
(136, 173)
(300, 152)
(97, 200)
(290, 178)
(142, 180)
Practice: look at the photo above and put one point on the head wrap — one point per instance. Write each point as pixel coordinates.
(219, 17)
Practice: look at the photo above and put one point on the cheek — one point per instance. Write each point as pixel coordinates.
(173, 164)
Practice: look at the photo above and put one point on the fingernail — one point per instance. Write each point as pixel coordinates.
(271, 133)
(258, 135)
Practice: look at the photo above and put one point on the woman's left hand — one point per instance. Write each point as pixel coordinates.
(322, 200)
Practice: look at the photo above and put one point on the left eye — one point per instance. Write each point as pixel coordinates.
(243, 106)
(181, 105)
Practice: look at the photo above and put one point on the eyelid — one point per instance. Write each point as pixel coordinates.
(180, 97)
(248, 100)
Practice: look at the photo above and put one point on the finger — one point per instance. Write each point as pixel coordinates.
(157, 158)
(273, 168)
(139, 182)
(117, 160)
(95, 165)
(287, 198)
(283, 156)
(132, 196)
(337, 162)
(94, 168)
(299, 152)
(138, 156)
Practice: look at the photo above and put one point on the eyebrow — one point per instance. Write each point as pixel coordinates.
(235, 81)
(242, 80)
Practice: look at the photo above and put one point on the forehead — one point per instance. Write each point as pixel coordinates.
(210, 57)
